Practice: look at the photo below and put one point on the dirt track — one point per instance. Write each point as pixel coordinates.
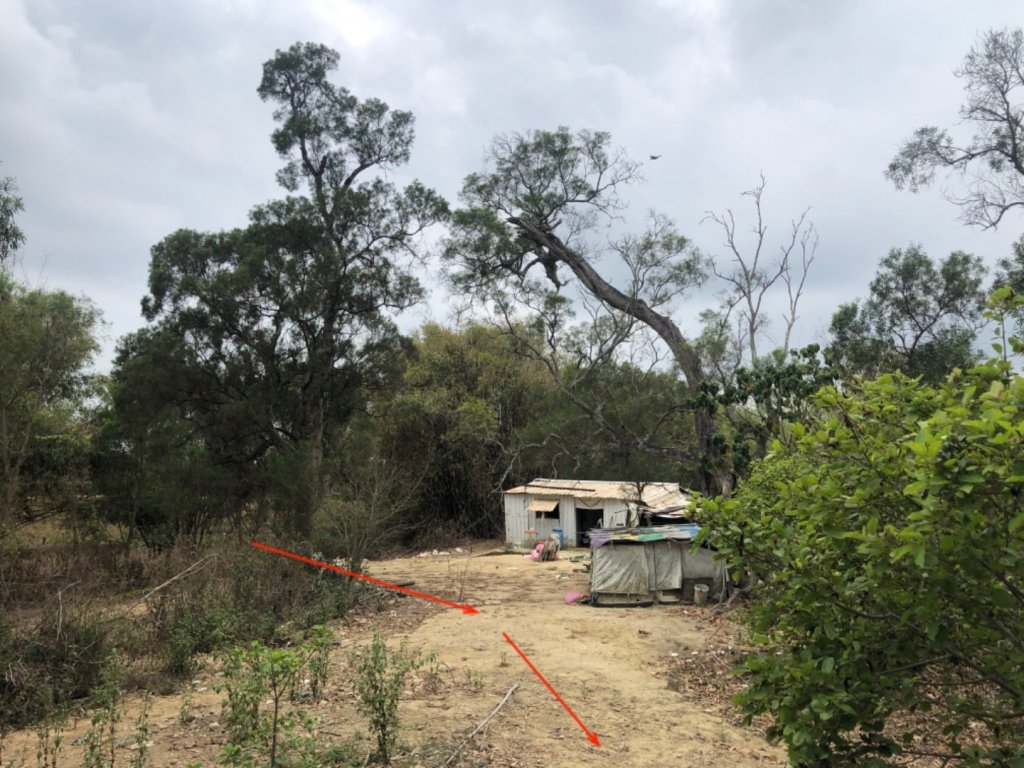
(607, 663)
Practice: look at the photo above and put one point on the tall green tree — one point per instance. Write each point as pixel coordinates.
(46, 343)
(921, 318)
(269, 334)
(533, 224)
(47, 340)
(458, 423)
(991, 162)
(156, 474)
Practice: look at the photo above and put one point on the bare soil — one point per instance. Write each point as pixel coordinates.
(643, 679)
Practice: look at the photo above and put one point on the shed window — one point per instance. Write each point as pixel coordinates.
(544, 509)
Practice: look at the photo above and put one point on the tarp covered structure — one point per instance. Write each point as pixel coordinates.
(644, 565)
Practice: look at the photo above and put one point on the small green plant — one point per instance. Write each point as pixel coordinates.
(50, 741)
(187, 713)
(255, 673)
(378, 679)
(318, 649)
(341, 755)
(432, 681)
(101, 738)
(140, 739)
(504, 659)
(474, 680)
(245, 688)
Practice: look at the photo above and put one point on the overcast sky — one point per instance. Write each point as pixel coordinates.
(123, 120)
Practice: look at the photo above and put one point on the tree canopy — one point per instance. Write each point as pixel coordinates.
(991, 163)
(535, 211)
(266, 337)
(921, 318)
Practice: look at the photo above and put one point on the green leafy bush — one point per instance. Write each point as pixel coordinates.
(892, 555)
(378, 678)
(256, 673)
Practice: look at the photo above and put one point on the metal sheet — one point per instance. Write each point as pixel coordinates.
(542, 504)
(619, 571)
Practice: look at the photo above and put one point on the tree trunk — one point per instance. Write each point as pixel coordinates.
(714, 478)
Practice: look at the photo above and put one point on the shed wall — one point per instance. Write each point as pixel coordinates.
(516, 518)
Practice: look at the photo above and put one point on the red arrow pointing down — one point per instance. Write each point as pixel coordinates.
(465, 608)
(591, 736)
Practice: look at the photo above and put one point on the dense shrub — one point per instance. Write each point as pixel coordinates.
(51, 665)
(57, 653)
(890, 543)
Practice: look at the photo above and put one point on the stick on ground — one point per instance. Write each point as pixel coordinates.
(483, 722)
(191, 569)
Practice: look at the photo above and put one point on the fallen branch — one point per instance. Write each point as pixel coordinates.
(483, 722)
(170, 581)
(60, 606)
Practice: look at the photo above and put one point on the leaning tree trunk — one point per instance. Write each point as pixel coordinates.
(714, 475)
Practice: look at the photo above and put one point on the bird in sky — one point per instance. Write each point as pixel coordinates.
(655, 157)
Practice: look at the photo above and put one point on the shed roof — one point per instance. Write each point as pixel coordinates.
(656, 496)
(641, 535)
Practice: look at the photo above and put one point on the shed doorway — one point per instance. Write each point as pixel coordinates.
(585, 520)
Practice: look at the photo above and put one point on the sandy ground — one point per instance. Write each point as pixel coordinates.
(609, 664)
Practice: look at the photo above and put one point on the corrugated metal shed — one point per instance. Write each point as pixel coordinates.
(655, 496)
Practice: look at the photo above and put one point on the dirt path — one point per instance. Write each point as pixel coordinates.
(607, 663)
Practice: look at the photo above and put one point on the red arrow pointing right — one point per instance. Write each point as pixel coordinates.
(464, 607)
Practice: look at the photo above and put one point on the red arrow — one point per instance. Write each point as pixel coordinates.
(590, 734)
(466, 608)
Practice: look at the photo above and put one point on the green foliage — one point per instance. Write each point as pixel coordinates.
(889, 534)
(457, 422)
(145, 448)
(46, 342)
(232, 597)
(100, 741)
(475, 411)
(1010, 274)
(921, 318)
(140, 737)
(378, 679)
(263, 341)
(746, 529)
(318, 649)
(252, 674)
(50, 742)
(11, 236)
(759, 401)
